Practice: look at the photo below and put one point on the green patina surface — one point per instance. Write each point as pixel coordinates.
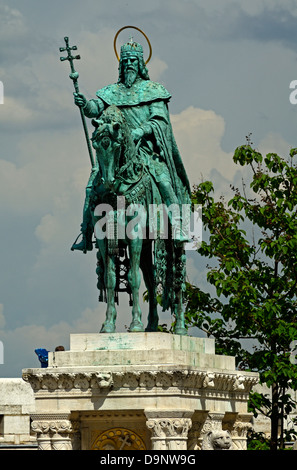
(136, 158)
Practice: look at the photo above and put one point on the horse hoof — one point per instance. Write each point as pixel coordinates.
(181, 331)
(151, 328)
(136, 326)
(107, 328)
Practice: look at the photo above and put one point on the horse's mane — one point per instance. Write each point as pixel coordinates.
(113, 115)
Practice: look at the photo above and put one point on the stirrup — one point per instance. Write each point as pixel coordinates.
(75, 245)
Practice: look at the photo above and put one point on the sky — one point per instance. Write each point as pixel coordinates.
(228, 65)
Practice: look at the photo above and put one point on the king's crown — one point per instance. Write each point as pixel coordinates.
(131, 48)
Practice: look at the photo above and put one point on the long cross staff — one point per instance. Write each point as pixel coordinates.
(74, 77)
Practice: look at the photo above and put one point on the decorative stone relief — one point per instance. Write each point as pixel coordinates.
(69, 381)
(212, 424)
(239, 430)
(168, 432)
(118, 439)
(53, 432)
(190, 381)
(217, 440)
(219, 430)
(198, 421)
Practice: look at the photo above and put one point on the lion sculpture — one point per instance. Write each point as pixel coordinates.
(217, 440)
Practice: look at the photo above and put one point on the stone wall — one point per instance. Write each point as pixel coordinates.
(17, 403)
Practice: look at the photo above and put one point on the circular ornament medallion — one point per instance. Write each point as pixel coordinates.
(118, 439)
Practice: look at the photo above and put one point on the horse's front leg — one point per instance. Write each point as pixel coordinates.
(147, 268)
(179, 328)
(110, 283)
(134, 278)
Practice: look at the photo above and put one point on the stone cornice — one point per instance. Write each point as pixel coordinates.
(187, 381)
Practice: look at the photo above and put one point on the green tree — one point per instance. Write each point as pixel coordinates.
(252, 248)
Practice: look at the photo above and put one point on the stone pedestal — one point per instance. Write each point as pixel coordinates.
(138, 391)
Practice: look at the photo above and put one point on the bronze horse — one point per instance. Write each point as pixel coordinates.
(124, 246)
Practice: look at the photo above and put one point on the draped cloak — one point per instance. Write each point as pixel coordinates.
(146, 102)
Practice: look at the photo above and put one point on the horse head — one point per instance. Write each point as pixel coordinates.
(110, 139)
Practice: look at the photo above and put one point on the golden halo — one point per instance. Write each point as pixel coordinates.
(133, 27)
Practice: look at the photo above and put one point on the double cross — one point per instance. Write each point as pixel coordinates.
(74, 77)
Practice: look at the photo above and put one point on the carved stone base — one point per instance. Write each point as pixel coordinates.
(138, 391)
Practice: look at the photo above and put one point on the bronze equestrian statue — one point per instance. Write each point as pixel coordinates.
(137, 163)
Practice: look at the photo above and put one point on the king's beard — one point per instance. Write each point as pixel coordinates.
(130, 77)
